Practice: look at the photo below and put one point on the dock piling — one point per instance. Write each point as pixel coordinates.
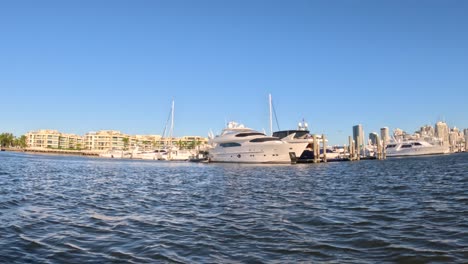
(351, 148)
(316, 149)
(324, 145)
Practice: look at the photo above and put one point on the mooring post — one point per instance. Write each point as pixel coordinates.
(316, 149)
(379, 148)
(324, 144)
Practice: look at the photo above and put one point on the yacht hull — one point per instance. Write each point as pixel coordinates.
(278, 154)
(435, 150)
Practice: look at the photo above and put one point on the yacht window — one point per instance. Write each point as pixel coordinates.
(265, 139)
(391, 146)
(298, 133)
(250, 134)
(417, 144)
(230, 144)
(406, 146)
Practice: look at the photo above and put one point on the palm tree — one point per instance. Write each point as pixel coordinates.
(6, 139)
(125, 142)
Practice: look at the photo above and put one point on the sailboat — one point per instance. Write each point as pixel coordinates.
(175, 153)
(300, 136)
(168, 151)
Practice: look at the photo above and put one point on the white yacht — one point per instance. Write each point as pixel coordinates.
(157, 154)
(177, 154)
(116, 154)
(415, 148)
(244, 145)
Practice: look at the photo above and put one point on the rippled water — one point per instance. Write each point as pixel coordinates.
(76, 210)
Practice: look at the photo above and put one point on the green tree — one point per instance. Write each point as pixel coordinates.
(23, 141)
(6, 140)
(125, 142)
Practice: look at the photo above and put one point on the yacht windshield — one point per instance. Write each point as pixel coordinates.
(264, 139)
(250, 134)
(230, 144)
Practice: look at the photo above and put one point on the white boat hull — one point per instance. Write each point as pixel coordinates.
(417, 151)
(266, 154)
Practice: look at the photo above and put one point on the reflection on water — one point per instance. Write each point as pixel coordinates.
(76, 209)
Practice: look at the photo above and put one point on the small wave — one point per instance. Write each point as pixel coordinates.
(33, 242)
(102, 217)
(73, 246)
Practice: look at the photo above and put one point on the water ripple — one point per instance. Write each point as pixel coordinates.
(77, 210)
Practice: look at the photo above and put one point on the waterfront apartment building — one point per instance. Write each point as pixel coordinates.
(106, 140)
(44, 138)
(71, 141)
(53, 139)
(145, 142)
(193, 141)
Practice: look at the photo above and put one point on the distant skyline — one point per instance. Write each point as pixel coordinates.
(80, 66)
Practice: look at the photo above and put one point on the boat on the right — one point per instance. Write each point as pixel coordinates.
(415, 148)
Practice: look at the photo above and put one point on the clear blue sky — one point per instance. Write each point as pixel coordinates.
(80, 66)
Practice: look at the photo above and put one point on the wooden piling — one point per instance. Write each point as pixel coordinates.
(358, 148)
(379, 148)
(351, 148)
(324, 145)
(384, 147)
(316, 149)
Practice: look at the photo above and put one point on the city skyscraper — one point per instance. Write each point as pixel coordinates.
(373, 138)
(427, 131)
(385, 134)
(442, 132)
(358, 135)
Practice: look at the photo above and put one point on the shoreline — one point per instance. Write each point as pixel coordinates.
(54, 152)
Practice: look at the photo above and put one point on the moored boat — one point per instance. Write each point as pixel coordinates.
(240, 144)
(415, 148)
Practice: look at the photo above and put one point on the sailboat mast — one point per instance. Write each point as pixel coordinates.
(271, 117)
(172, 121)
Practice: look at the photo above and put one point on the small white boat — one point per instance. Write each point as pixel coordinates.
(157, 154)
(176, 154)
(116, 154)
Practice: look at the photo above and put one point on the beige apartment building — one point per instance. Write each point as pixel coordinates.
(43, 138)
(105, 140)
(71, 141)
(145, 142)
(46, 138)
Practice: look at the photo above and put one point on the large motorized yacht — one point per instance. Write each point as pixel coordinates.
(300, 136)
(415, 148)
(245, 145)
